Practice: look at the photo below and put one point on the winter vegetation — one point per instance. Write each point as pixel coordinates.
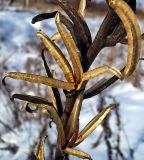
(30, 125)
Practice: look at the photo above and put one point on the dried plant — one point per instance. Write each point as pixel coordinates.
(119, 22)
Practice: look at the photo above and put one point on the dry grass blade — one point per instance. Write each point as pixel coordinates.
(39, 79)
(131, 25)
(74, 117)
(58, 56)
(39, 153)
(71, 48)
(77, 153)
(93, 124)
(82, 7)
(95, 72)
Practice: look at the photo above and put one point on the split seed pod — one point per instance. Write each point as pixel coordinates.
(77, 153)
(93, 124)
(95, 72)
(74, 117)
(56, 36)
(39, 79)
(82, 7)
(58, 56)
(71, 48)
(131, 25)
(40, 149)
(57, 120)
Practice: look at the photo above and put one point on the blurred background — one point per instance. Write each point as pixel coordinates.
(120, 137)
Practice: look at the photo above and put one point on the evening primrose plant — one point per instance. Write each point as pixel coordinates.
(119, 26)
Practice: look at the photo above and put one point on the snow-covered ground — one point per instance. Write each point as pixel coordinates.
(18, 43)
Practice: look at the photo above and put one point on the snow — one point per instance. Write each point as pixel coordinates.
(18, 41)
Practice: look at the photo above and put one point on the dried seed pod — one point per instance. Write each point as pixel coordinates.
(71, 48)
(97, 71)
(65, 21)
(74, 136)
(25, 107)
(74, 117)
(39, 79)
(92, 90)
(31, 99)
(43, 16)
(52, 97)
(57, 120)
(77, 153)
(39, 153)
(54, 93)
(56, 36)
(82, 7)
(131, 25)
(81, 29)
(93, 124)
(58, 55)
(33, 108)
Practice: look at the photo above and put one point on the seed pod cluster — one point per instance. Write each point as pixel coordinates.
(76, 37)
